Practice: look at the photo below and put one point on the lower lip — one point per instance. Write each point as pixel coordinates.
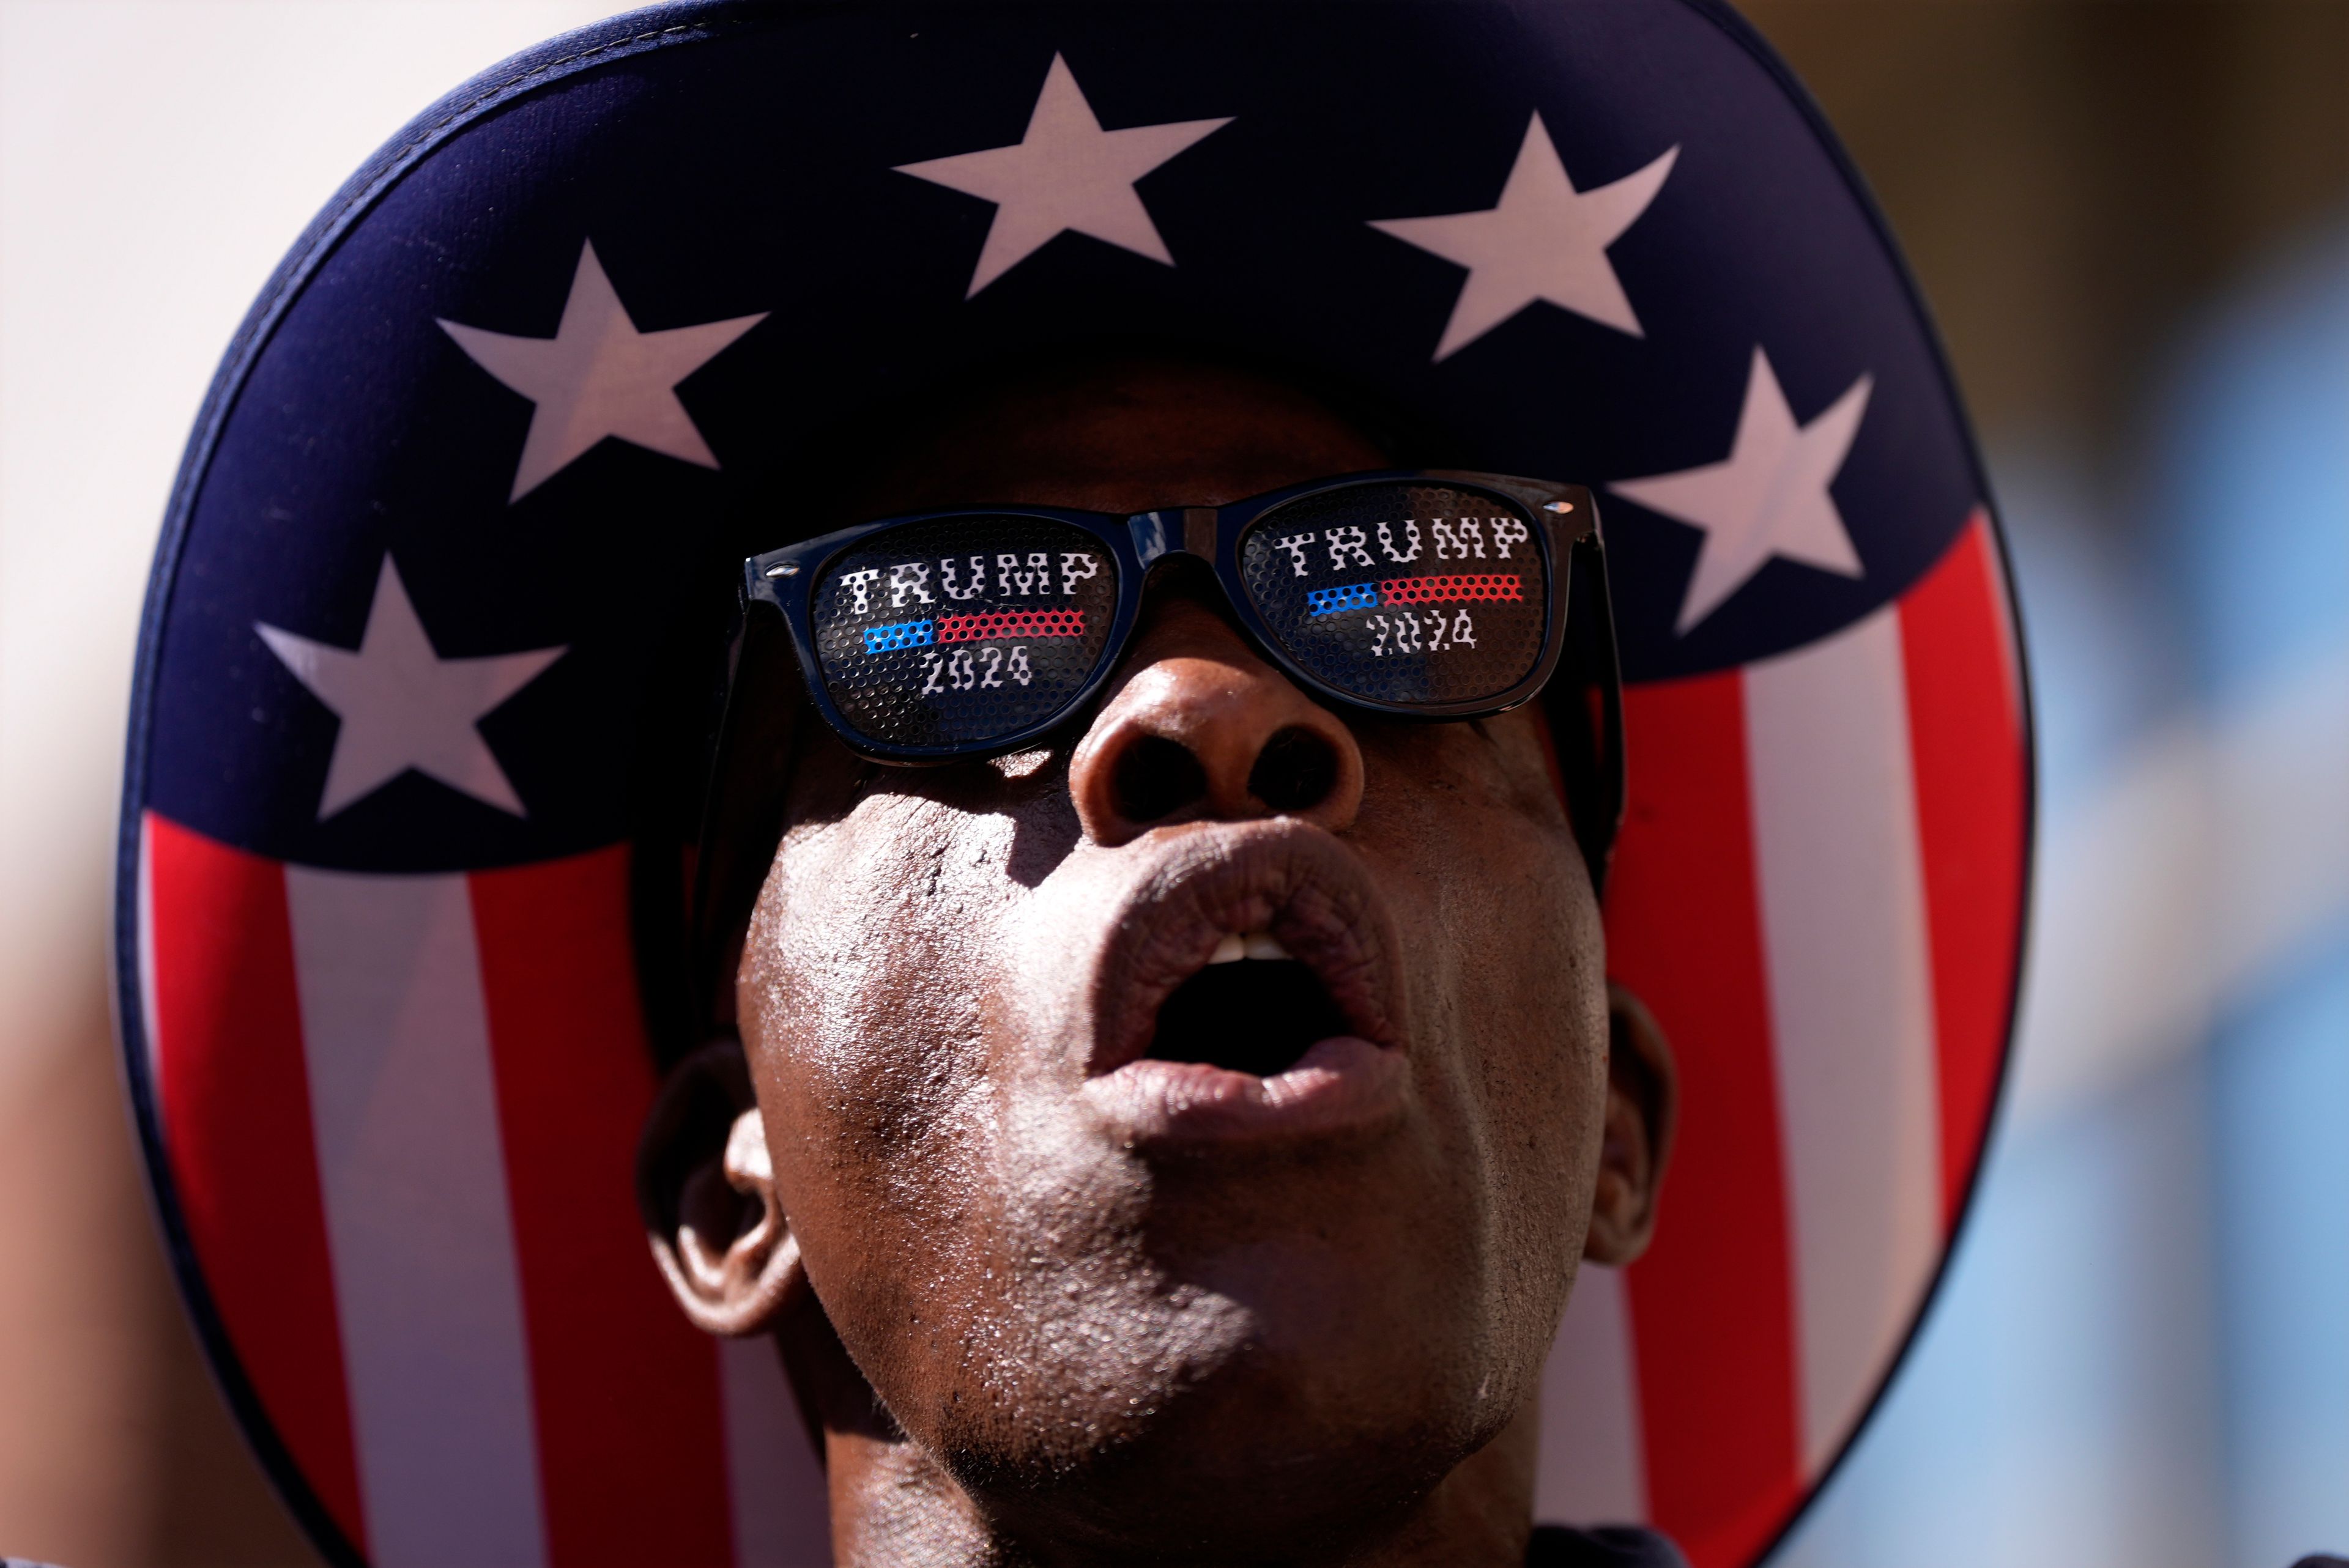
(1340, 1085)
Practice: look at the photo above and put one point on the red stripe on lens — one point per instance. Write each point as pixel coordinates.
(997, 623)
(1451, 590)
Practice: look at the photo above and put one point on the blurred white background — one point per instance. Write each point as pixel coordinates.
(2133, 219)
(156, 157)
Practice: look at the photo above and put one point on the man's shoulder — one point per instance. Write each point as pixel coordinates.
(1608, 1546)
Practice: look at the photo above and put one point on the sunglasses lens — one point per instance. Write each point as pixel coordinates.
(961, 631)
(1403, 593)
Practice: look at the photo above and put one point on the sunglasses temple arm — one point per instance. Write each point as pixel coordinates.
(743, 802)
(1598, 651)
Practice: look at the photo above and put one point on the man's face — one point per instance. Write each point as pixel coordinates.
(1326, 1250)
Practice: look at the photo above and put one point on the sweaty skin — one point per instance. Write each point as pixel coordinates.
(1068, 1306)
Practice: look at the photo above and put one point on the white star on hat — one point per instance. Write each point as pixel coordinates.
(402, 706)
(599, 376)
(1768, 497)
(1066, 173)
(1544, 241)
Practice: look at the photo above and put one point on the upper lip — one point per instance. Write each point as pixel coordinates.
(1286, 877)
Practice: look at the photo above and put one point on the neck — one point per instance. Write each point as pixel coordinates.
(893, 1506)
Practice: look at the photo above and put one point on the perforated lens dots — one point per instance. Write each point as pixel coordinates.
(1402, 592)
(965, 629)
(961, 630)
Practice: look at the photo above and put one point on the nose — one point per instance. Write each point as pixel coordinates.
(1203, 728)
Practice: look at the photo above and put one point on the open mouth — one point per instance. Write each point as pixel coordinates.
(1247, 997)
(1253, 1009)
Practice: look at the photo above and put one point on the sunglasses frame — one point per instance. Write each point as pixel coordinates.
(1563, 518)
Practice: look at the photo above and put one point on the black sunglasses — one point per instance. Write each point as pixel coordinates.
(968, 634)
(973, 632)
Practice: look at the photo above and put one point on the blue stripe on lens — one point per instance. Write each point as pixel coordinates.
(1352, 596)
(904, 634)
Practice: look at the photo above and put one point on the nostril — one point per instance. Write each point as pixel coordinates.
(1157, 778)
(1295, 771)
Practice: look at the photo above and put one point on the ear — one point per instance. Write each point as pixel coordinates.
(1642, 1106)
(707, 1190)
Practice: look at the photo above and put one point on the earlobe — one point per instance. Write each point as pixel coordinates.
(1642, 1106)
(706, 1187)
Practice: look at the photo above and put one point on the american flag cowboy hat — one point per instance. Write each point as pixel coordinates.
(395, 760)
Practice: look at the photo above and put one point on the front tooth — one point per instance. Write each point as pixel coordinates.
(1262, 944)
(1230, 950)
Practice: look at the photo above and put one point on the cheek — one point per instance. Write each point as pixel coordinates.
(1506, 959)
(1515, 924)
(859, 1000)
(841, 932)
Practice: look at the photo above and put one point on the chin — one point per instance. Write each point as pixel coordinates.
(1192, 1423)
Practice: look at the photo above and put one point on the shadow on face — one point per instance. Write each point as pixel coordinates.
(1186, 1132)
